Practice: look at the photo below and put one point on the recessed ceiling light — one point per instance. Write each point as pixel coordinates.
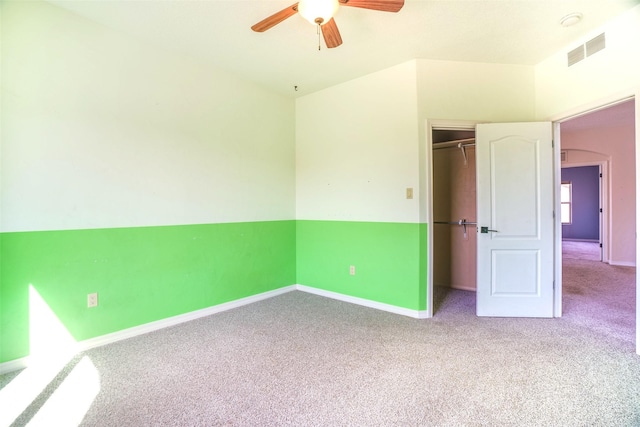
(571, 19)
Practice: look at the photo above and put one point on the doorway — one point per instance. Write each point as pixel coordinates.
(600, 293)
(515, 245)
(454, 212)
(582, 210)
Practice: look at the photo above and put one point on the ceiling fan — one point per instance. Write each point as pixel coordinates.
(321, 12)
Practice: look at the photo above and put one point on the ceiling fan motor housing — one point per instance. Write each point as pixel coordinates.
(318, 11)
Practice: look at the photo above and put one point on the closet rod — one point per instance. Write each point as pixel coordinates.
(462, 222)
(455, 222)
(468, 142)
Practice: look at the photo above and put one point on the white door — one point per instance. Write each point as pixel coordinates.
(515, 219)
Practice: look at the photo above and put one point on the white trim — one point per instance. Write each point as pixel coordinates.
(458, 287)
(557, 221)
(181, 318)
(598, 104)
(623, 263)
(637, 146)
(594, 106)
(463, 288)
(605, 202)
(431, 125)
(417, 314)
(16, 364)
(24, 362)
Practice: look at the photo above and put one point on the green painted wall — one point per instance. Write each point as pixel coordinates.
(390, 260)
(141, 274)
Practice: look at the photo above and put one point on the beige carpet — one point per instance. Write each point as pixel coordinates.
(303, 360)
(581, 250)
(600, 296)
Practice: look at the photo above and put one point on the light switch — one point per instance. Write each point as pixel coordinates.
(409, 193)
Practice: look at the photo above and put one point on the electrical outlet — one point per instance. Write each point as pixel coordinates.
(352, 270)
(92, 300)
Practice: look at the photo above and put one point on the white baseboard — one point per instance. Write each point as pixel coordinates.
(464, 288)
(14, 365)
(459, 287)
(623, 263)
(17, 364)
(176, 320)
(417, 314)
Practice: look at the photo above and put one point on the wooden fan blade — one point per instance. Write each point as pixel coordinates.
(331, 34)
(383, 5)
(275, 19)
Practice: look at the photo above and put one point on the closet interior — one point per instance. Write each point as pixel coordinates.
(454, 209)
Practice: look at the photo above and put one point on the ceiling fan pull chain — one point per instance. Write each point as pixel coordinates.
(318, 31)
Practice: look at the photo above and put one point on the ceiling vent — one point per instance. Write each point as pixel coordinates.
(575, 56)
(594, 45)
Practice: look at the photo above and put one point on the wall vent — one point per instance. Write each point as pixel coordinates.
(594, 45)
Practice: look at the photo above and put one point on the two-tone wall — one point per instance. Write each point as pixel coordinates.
(360, 145)
(357, 152)
(160, 183)
(167, 186)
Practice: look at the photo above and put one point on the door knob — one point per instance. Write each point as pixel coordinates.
(486, 230)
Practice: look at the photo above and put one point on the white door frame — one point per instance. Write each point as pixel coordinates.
(604, 202)
(556, 119)
(432, 125)
(585, 109)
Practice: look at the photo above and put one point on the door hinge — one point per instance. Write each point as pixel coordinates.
(600, 244)
(600, 175)
(600, 210)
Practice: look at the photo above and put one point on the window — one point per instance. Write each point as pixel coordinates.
(565, 202)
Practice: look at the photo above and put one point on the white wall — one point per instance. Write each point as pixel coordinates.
(606, 76)
(469, 92)
(475, 91)
(361, 144)
(101, 130)
(610, 73)
(357, 149)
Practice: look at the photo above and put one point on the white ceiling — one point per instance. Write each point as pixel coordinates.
(218, 32)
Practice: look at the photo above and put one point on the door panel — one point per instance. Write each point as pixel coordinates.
(514, 187)
(515, 219)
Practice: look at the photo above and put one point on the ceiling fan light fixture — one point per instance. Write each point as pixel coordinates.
(317, 11)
